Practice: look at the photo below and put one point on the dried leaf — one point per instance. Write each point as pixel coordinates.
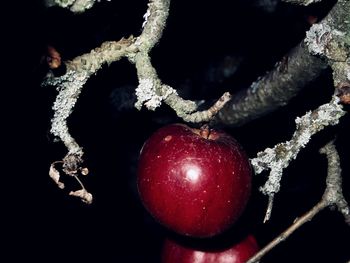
(55, 175)
(85, 196)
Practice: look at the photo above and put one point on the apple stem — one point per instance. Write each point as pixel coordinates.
(205, 131)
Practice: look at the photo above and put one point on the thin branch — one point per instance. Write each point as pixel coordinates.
(108, 52)
(206, 115)
(69, 87)
(283, 236)
(332, 196)
(302, 2)
(154, 24)
(277, 158)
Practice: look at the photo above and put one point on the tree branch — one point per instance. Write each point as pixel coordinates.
(279, 157)
(302, 2)
(274, 90)
(150, 91)
(283, 236)
(332, 196)
(202, 116)
(295, 70)
(153, 25)
(330, 39)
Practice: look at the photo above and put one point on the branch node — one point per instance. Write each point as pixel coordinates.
(278, 158)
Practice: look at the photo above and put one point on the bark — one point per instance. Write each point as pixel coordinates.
(327, 41)
(302, 2)
(275, 89)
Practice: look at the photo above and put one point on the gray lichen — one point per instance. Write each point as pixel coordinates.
(302, 2)
(146, 94)
(153, 25)
(278, 158)
(76, 6)
(333, 195)
(317, 38)
(69, 87)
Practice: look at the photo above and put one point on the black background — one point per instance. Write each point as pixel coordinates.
(42, 224)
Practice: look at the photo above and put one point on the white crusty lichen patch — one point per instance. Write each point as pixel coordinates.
(69, 87)
(277, 158)
(76, 6)
(80, 6)
(146, 16)
(319, 41)
(60, 3)
(317, 38)
(146, 94)
(153, 24)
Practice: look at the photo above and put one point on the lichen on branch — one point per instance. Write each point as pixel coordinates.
(69, 87)
(278, 158)
(153, 25)
(273, 90)
(333, 196)
(296, 69)
(76, 6)
(330, 39)
(302, 2)
(151, 92)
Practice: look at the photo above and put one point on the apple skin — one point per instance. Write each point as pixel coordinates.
(174, 252)
(194, 182)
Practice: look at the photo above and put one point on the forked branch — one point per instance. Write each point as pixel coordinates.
(332, 197)
(151, 92)
(278, 158)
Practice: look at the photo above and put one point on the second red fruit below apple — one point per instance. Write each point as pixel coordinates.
(240, 252)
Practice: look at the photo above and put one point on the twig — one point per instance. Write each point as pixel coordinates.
(207, 115)
(334, 193)
(332, 197)
(153, 25)
(279, 157)
(283, 236)
(302, 2)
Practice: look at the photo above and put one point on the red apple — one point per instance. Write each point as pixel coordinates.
(238, 253)
(195, 182)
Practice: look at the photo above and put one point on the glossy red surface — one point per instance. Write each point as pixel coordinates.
(237, 253)
(193, 185)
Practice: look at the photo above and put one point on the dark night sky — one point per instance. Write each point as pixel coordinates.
(115, 228)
